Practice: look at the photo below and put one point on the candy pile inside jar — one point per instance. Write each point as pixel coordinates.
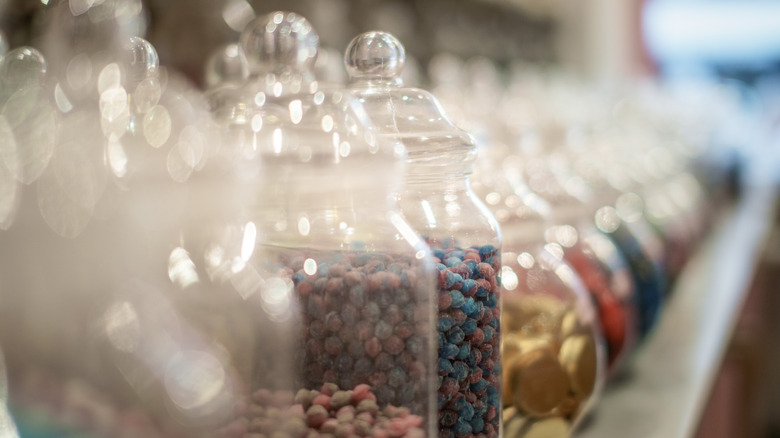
(469, 349)
(551, 364)
(362, 323)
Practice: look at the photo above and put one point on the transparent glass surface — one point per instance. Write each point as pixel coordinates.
(553, 349)
(164, 276)
(343, 281)
(437, 201)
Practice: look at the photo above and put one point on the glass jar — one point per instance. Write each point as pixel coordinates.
(88, 331)
(552, 346)
(617, 211)
(337, 286)
(464, 236)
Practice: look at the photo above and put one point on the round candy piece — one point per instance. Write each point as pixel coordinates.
(578, 358)
(554, 427)
(537, 382)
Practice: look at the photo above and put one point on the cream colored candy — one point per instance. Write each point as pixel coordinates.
(569, 324)
(554, 427)
(578, 358)
(513, 423)
(536, 382)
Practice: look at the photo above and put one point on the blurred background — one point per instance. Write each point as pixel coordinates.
(731, 46)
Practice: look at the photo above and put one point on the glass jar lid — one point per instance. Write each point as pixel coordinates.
(290, 118)
(375, 62)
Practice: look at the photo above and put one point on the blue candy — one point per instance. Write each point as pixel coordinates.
(467, 284)
(445, 366)
(472, 359)
(452, 261)
(487, 251)
(488, 331)
(455, 335)
(472, 265)
(482, 292)
(459, 254)
(491, 301)
(405, 282)
(442, 400)
(492, 396)
(449, 351)
(445, 323)
(415, 345)
(439, 254)
(469, 326)
(460, 371)
(465, 349)
(477, 424)
(298, 277)
(452, 279)
(440, 267)
(479, 386)
(322, 269)
(462, 427)
(457, 299)
(469, 307)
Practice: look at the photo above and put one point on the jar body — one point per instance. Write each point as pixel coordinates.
(466, 245)
(551, 327)
(601, 266)
(553, 348)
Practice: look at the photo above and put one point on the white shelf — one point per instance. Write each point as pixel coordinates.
(670, 377)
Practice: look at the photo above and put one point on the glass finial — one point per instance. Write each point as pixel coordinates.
(375, 56)
(280, 42)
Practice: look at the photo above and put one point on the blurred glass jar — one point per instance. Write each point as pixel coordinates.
(553, 348)
(548, 172)
(89, 330)
(464, 236)
(338, 288)
(617, 211)
(515, 135)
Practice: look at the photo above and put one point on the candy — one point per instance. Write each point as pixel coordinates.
(468, 297)
(362, 313)
(350, 413)
(550, 359)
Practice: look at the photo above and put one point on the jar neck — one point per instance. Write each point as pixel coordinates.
(325, 209)
(430, 174)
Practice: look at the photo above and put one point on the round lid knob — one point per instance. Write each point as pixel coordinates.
(375, 56)
(23, 66)
(279, 41)
(140, 61)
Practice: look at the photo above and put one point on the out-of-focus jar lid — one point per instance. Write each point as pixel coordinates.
(375, 62)
(290, 119)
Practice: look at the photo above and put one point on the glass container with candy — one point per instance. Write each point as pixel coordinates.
(552, 345)
(464, 236)
(338, 287)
